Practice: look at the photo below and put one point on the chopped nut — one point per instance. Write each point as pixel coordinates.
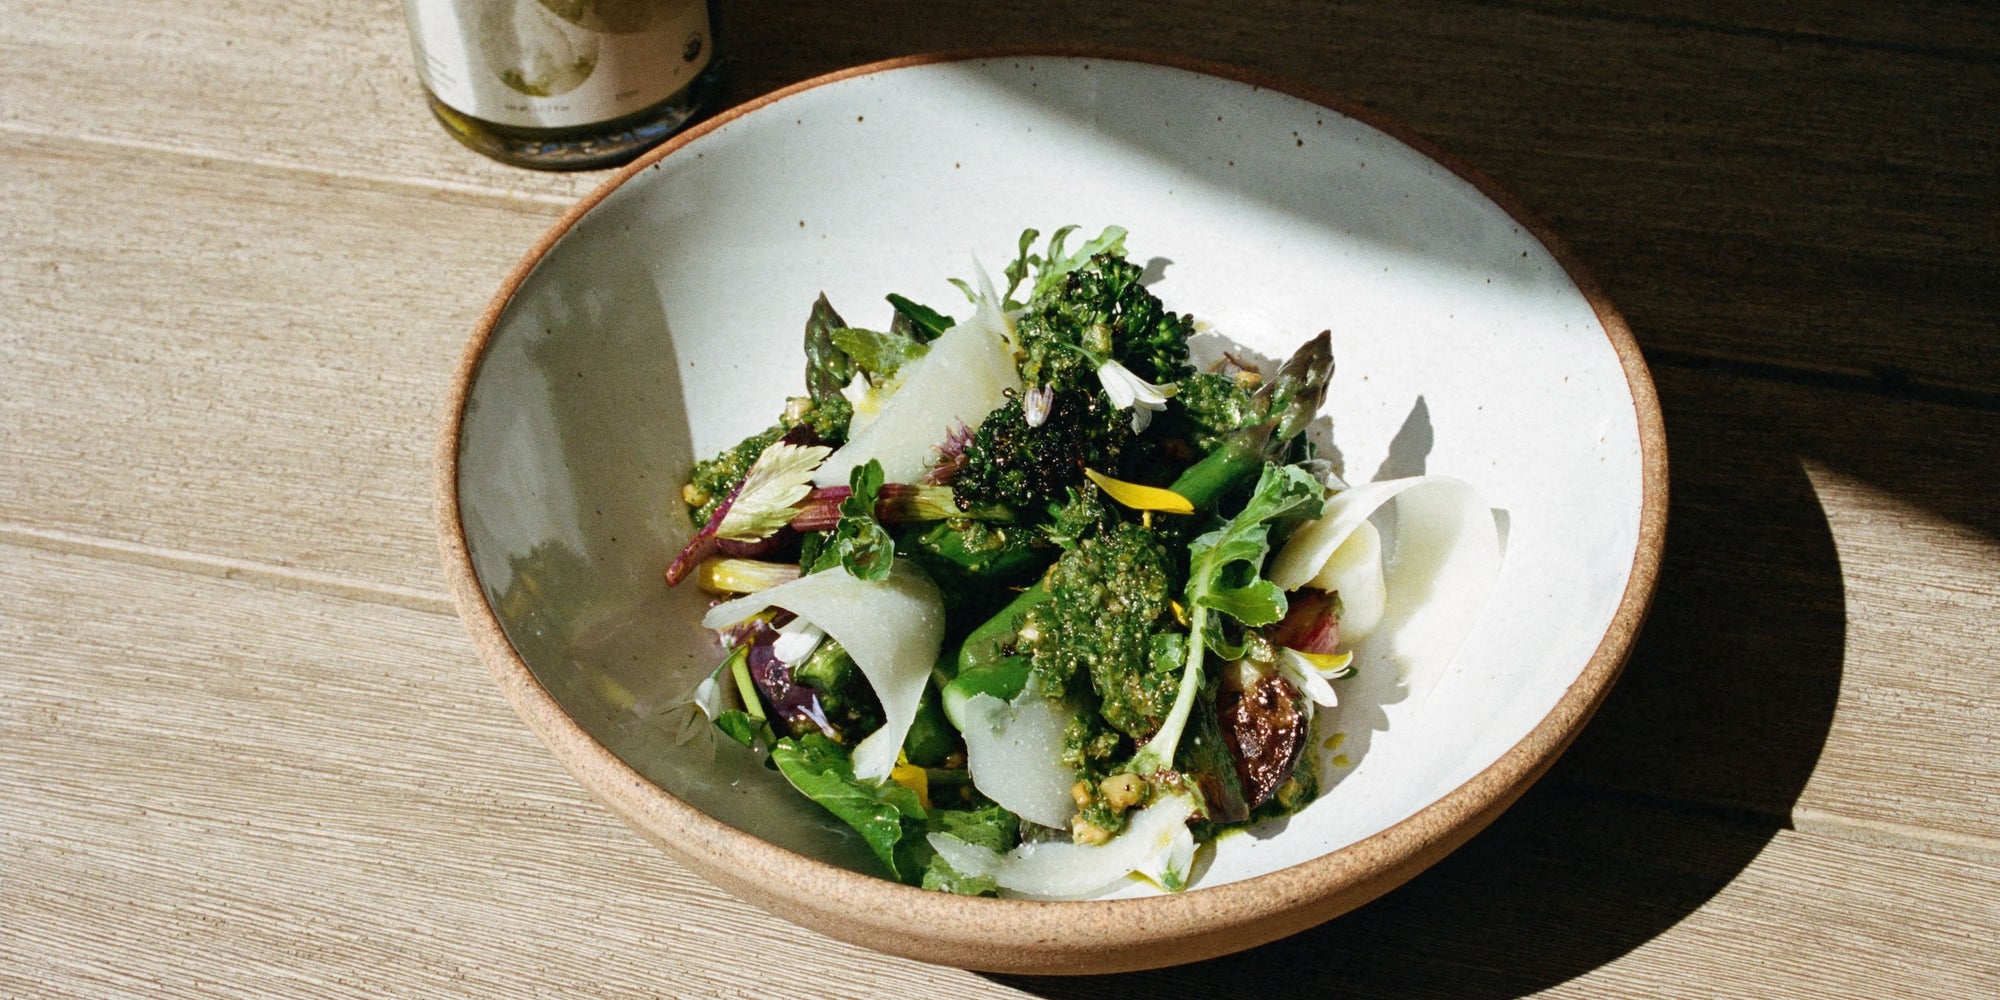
(1083, 831)
(1122, 791)
(1081, 793)
(693, 496)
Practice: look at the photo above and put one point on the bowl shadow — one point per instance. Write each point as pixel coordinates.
(1676, 785)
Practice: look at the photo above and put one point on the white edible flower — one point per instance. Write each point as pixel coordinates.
(708, 697)
(1310, 674)
(796, 640)
(1035, 405)
(1130, 391)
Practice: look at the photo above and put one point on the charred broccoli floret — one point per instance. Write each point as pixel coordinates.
(1082, 516)
(1102, 309)
(1009, 463)
(1032, 450)
(1111, 598)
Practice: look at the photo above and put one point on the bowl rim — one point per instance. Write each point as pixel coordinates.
(1067, 936)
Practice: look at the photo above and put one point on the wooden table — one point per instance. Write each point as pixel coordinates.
(246, 749)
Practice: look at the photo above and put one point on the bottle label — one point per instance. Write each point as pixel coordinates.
(557, 63)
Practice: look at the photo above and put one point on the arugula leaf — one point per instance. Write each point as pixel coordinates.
(878, 355)
(1225, 569)
(940, 876)
(1221, 640)
(1054, 267)
(859, 542)
(738, 725)
(1225, 564)
(889, 817)
(991, 827)
(927, 322)
(1024, 257)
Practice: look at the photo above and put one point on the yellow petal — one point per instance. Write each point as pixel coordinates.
(914, 778)
(1140, 497)
(1327, 663)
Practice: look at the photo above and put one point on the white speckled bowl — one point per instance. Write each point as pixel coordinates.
(660, 320)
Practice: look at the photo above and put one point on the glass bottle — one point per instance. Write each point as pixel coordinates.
(564, 84)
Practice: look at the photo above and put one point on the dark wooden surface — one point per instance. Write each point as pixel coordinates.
(245, 749)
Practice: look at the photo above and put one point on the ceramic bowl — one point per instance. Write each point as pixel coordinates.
(660, 321)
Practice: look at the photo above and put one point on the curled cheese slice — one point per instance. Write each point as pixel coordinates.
(893, 628)
(1354, 570)
(1014, 752)
(963, 377)
(1155, 843)
(1426, 586)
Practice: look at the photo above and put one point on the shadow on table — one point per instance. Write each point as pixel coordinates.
(1726, 702)
(1758, 244)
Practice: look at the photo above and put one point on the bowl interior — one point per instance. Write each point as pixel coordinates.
(665, 324)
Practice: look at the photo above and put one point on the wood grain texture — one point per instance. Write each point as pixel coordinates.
(323, 86)
(195, 800)
(202, 798)
(1794, 188)
(225, 358)
(238, 383)
(1592, 896)
(1941, 28)
(1823, 637)
(244, 750)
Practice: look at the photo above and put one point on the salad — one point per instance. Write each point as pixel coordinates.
(1035, 604)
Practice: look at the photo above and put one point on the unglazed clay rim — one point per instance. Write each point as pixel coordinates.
(1093, 936)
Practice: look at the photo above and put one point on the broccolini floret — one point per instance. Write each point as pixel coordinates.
(1009, 463)
(1101, 311)
(1215, 405)
(1078, 518)
(1111, 600)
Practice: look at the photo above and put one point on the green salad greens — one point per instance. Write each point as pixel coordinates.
(998, 591)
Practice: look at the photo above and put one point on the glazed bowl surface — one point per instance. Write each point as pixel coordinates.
(660, 321)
